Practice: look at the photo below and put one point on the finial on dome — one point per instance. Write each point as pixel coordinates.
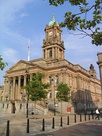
(51, 23)
(53, 18)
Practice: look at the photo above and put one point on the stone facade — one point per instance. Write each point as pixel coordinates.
(1, 92)
(85, 87)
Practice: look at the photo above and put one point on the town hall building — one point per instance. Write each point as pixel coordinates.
(85, 88)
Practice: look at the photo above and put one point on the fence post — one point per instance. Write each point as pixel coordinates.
(89, 116)
(43, 125)
(85, 116)
(7, 130)
(68, 120)
(80, 118)
(75, 118)
(27, 125)
(92, 116)
(61, 122)
(53, 123)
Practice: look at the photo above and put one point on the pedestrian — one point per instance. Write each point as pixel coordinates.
(97, 114)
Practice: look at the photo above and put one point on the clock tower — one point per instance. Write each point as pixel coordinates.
(53, 46)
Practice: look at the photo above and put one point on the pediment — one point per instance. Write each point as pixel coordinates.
(19, 65)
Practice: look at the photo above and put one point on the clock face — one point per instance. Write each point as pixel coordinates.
(50, 33)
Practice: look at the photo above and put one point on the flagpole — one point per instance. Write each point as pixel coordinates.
(29, 49)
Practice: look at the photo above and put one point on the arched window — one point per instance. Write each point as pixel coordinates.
(57, 80)
(50, 80)
(49, 94)
(50, 53)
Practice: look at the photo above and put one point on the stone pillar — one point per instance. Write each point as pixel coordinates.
(45, 53)
(78, 83)
(53, 53)
(24, 83)
(63, 54)
(56, 53)
(13, 91)
(4, 93)
(19, 85)
(99, 62)
(53, 89)
(31, 77)
(9, 89)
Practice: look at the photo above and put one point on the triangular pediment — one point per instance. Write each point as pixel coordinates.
(19, 65)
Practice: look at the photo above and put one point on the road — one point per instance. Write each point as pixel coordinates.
(93, 128)
(18, 126)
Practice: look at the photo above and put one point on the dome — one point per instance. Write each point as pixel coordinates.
(51, 23)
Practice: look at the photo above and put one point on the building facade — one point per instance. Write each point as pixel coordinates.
(85, 88)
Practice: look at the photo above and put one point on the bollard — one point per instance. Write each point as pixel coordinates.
(75, 118)
(89, 116)
(53, 123)
(43, 125)
(80, 118)
(61, 122)
(85, 117)
(92, 116)
(7, 131)
(68, 120)
(27, 125)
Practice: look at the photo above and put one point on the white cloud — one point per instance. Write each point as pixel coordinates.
(10, 55)
(23, 15)
(9, 8)
(81, 51)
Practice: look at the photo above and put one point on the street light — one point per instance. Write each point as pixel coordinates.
(54, 108)
(54, 97)
(27, 97)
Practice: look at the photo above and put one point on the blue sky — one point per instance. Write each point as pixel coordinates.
(24, 19)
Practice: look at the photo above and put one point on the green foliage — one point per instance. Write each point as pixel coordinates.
(36, 89)
(79, 21)
(63, 93)
(2, 64)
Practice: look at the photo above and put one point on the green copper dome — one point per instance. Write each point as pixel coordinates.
(51, 23)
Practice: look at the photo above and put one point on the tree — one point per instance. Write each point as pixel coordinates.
(87, 25)
(63, 93)
(2, 64)
(36, 89)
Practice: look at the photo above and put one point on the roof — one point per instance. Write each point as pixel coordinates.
(51, 23)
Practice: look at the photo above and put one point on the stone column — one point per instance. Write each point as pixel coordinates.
(53, 89)
(19, 85)
(13, 91)
(25, 82)
(78, 83)
(56, 53)
(9, 88)
(99, 62)
(53, 53)
(4, 93)
(45, 53)
(31, 76)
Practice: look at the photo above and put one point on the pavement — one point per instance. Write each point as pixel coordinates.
(18, 124)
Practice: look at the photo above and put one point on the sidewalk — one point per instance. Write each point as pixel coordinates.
(18, 123)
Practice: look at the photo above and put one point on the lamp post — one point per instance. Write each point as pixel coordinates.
(54, 96)
(54, 108)
(27, 108)
(85, 101)
(27, 96)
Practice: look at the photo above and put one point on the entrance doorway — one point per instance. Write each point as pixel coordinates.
(13, 108)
